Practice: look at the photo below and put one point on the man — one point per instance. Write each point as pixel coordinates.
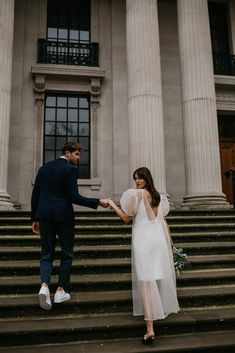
(54, 192)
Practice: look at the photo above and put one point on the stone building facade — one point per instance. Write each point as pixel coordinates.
(138, 82)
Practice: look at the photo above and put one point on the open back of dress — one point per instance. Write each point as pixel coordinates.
(153, 276)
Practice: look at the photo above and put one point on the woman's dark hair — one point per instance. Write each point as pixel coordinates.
(144, 173)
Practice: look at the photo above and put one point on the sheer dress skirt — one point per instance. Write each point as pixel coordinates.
(153, 278)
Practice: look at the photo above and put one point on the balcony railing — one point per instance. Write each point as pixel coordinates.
(63, 53)
(224, 64)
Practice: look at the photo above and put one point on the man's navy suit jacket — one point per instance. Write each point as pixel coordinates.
(54, 192)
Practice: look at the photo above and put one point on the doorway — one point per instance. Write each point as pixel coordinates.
(226, 124)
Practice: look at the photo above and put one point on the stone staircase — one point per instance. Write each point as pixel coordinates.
(98, 318)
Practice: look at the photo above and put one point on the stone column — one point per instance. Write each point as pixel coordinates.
(202, 159)
(6, 52)
(145, 113)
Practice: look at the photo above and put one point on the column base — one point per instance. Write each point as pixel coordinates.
(211, 201)
(5, 203)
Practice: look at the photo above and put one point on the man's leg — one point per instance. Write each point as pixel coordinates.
(48, 239)
(66, 237)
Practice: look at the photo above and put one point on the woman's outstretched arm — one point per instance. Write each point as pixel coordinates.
(124, 217)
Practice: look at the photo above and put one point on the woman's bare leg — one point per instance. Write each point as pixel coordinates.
(147, 305)
(150, 329)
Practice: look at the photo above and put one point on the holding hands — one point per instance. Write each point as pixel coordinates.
(104, 203)
(107, 202)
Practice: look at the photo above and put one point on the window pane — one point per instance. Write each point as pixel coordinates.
(63, 34)
(84, 158)
(83, 103)
(50, 143)
(63, 19)
(61, 129)
(52, 20)
(61, 114)
(49, 156)
(50, 101)
(50, 128)
(84, 141)
(83, 129)
(83, 172)
(72, 115)
(74, 21)
(73, 35)
(72, 129)
(58, 153)
(62, 101)
(50, 114)
(84, 36)
(72, 102)
(52, 33)
(84, 116)
(60, 141)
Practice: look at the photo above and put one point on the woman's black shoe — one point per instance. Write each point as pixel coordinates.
(148, 340)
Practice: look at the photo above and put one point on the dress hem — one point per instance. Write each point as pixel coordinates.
(172, 312)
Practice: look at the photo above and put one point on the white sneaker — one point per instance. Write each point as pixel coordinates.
(61, 296)
(44, 298)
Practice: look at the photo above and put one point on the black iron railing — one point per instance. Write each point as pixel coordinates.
(224, 64)
(63, 53)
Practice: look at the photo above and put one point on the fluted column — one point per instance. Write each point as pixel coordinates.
(203, 175)
(145, 114)
(6, 44)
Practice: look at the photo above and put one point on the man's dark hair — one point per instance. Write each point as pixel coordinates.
(71, 147)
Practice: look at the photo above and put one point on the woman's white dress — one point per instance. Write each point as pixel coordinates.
(153, 275)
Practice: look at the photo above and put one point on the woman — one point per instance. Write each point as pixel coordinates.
(153, 276)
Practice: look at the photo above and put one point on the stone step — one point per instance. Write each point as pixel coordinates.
(81, 229)
(119, 250)
(33, 252)
(112, 218)
(123, 228)
(77, 328)
(107, 212)
(110, 265)
(104, 301)
(203, 342)
(112, 281)
(89, 220)
(94, 239)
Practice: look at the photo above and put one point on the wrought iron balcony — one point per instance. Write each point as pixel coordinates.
(224, 64)
(64, 53)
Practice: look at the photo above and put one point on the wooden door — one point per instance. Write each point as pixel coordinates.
(227, 158)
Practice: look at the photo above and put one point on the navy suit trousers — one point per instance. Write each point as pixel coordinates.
(49, 230)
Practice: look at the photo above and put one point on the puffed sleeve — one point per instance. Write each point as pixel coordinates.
(165, 206)
(129, 202)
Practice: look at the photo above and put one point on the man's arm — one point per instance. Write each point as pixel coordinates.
(76, 198)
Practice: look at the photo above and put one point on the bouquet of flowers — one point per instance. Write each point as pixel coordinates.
(180, 260)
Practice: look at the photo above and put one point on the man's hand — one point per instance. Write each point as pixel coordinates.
(35, 228)
(104, 203)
